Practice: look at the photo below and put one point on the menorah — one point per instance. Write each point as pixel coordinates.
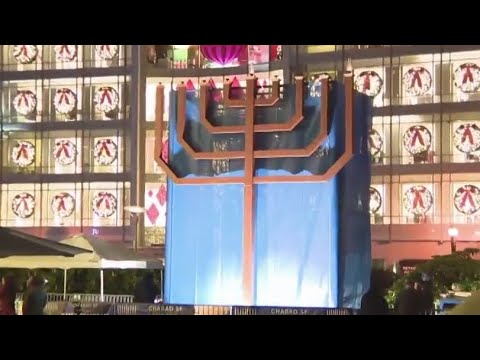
(249, 154)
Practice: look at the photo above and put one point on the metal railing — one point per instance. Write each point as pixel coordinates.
(90, 304)
(155, 309)
(93, 298)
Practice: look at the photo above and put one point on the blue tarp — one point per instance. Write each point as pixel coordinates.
(304, 253)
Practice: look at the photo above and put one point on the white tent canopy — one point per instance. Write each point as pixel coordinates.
(104, 255)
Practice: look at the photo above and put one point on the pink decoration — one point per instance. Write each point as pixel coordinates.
(155, 202)
(152, 213)
(216, 94)
(162, 195)
(189, 85)
(164, 154)
(275, 52)
(222, 54)
(236, 92)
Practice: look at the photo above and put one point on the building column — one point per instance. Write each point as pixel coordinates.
(138, 135)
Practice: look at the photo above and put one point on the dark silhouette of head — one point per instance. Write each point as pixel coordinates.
(10, 285)
(37, 281)
(378, 281)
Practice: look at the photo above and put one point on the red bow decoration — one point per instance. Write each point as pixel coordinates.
(104, 197)
(22, 152)
(416, 136)
(105, 48)
(63, 148)
(63, 49)
(418, 199)
(22, 201)
(63, 96)
(104, 148)
(106, 94)
(466, 196)
(467, 133)
(467, 75)
(61, 202)
(24, 97)
(366, 82)
(23, 50)
(416, 79)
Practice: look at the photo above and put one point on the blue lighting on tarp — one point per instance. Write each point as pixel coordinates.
(304, 255)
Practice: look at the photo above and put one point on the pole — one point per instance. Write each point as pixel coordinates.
(453, 244)
(101, 286)
(64, 284)
(135, 239)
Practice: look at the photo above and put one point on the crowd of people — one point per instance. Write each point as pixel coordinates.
(417, 298)
(35, 296)
(34, 300)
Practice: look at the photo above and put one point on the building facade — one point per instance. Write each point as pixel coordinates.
(66, 139)
(78, 135)
(424, 141)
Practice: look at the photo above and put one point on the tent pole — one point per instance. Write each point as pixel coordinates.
(64, 284)
(101, 286)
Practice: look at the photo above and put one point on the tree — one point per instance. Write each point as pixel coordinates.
(457, 268)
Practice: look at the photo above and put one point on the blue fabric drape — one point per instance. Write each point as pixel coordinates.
(204, 234)
(304, 253)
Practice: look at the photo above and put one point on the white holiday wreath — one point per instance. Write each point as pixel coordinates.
(417, 139)
(375, 200)
(63, 205)
(467, 78)
(417, 81)
(64, 152)
(104, 204)
(66, 53)
(105, 151)
(25, 102)
(23, 153)
(369, 83)
(107, 52)
(375, 142)
(467, 199)
(25, 54)
(417, 200)
(467, 138)
(106, 99)
(65, 101)
(23, 205)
